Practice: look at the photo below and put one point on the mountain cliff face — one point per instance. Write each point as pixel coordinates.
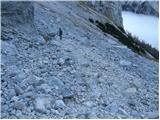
(143, 7)
(111, 9)
(87, 74)
(17, 12)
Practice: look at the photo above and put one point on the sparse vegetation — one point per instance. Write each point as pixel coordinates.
(153, 51)
(127, 39)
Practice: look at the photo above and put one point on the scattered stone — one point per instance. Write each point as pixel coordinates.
(125, 63)
(58, 20)
(44, 87)
(55, 112)
(12, 71)
(85, 64)
(92, 115)
(40, 40)
(114, 108)
(8, 49)
(89, 103)
(81, 116)
(123, 111)
(18, 90)
(29, 94)
(97, 75)
(67, 93)
(132, 103)
(21, 75)
(134, 114)
(15, 98)
(59, 104)
(34, 80)
(12, 92)
(29, 88)
(40, 105)
(19, 105)
(53, 81)
(73, 71)
(61, 61)
(131, 90)
(151, 115)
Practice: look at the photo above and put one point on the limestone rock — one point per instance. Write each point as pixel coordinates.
(125, 63)
(111, 9)
(18, 90)
(131, 90)
(41, 102)
(59, 104)
(19, 105)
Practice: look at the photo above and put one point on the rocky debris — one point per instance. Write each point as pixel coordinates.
(123, 111)
(132, 103)
(8, 49)
(114, 108)
(59, 104)
(124, 63)
(21, 76)
(97, 75)
(88, 115)
(40, 40)
(131, 90)
(14, 98)
(34, 80)
(44, 88)
(91, 115)
(41, 103)
(19, 105)
(152, 114)
(55, 82)
(67, 93)
(12, 92)
(89, 103)
(18, 90)
(88, 82)
(29, 94)
(61, 61)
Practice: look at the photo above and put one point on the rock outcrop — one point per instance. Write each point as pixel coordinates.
(143, 7)
(111, 9)
(17, 11)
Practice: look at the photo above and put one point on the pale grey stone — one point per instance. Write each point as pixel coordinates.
(19, 105)
(59, 104)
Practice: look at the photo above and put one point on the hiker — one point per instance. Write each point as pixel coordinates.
(60, 33)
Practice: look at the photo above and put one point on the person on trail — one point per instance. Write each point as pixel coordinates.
(60, 33)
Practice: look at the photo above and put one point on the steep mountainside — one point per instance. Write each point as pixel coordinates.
(87, 74)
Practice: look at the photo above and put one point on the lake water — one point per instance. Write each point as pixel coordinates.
(143, 26)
